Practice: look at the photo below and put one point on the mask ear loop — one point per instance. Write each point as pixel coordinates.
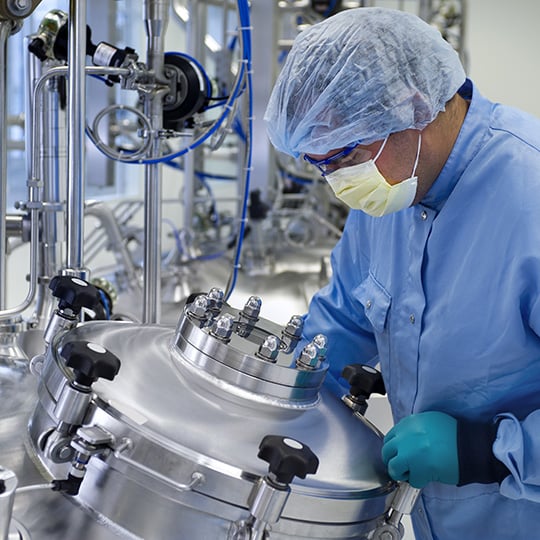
(381, 149)
(417, 153)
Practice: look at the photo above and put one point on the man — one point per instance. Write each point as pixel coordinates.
(437, 275)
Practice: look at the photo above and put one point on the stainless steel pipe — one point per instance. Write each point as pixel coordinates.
(156, 17)
(34, 183)
(76, 149)
(5, 31)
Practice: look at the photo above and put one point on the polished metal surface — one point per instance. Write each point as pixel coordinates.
(76, 149)
(236, 362)
(156, 17)
(186, 443)
(5, 31)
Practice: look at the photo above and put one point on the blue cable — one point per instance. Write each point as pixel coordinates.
(243, 10)
(217, 125)
(105, 303)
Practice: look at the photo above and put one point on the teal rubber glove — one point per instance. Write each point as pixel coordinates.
(422, 448)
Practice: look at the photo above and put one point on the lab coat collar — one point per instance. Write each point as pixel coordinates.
(472, 136)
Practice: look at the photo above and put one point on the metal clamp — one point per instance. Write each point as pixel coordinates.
(402, 504)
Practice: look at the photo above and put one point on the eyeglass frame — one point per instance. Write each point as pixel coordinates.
(322, 163)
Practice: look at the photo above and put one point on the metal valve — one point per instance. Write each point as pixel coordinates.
(364, 381)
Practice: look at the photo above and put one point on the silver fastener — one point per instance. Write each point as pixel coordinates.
(215, 298)
(199, 307)
(223, 327)
(252, 307)
(294, 326)
(269, 348)
(321, 342)
(309, 357)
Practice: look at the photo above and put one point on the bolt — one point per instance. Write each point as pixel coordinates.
(309, 357)
(215, 298)
(65, 452)
(223, 327)
(269, 348)
(19, 7)
(252, 308)
(199, 307)
(321, 342)
(294, 326)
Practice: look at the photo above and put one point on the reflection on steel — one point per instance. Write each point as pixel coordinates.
(156, 16)
(76, 153)
(5, 31)
(179, 435)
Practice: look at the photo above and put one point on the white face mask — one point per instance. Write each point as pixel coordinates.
(363, 187)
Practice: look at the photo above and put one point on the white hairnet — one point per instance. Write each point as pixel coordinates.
(359, 76)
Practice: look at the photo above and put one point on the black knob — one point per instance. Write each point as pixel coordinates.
(90, 361)
(287, 458)
(364, 380)
(70, 486)
(37, 47)
(74, 293)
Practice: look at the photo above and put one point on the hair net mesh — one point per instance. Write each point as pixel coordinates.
(359, 76)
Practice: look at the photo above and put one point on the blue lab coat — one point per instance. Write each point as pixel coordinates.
(446, 296)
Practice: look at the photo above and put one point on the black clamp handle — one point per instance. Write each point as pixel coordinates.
(74, 293)
(90, 361)
(363, 380)
(287, 458)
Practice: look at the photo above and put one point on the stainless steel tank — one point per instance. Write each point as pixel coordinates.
(168, 445)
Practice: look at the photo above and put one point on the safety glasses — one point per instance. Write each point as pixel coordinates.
(328, 164)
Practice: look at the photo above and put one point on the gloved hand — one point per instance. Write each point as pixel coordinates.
(422, 448)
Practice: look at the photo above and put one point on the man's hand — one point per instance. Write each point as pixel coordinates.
(422, 448)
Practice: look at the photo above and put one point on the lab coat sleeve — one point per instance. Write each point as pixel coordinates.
(517, 443)
(336, 311)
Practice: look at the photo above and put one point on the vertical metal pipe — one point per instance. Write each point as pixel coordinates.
(52, 170)
(76, 123)
(156, 17)
(5, 30)
(195, 33)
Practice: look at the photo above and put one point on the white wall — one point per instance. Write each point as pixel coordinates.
(503, 45)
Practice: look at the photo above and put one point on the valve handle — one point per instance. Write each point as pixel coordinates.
(287, 458)
(364, 380)
(90, 361)
(74, 293)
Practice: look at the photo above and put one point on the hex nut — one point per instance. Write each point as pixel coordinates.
(252, 307)
(294, 326)
(223, 327)
(309, 357)
(215, 297)
(321, 342)
(199, 307)
(269, 348)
